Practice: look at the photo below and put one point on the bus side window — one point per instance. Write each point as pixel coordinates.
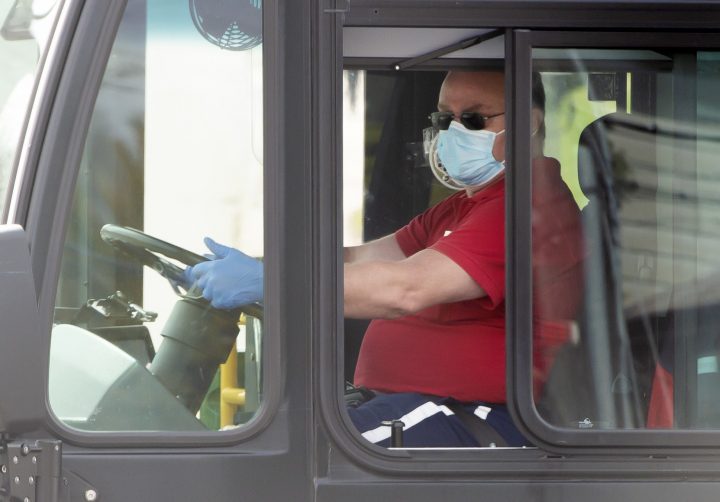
(646, 349)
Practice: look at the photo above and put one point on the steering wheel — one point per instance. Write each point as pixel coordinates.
(147, 249)
(197, 338)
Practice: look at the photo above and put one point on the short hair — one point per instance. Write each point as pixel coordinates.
(538, 101)
(538, 91)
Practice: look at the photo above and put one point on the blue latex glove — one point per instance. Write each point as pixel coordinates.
(230, 279)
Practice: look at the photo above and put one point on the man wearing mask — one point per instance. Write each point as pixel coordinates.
(434, 355)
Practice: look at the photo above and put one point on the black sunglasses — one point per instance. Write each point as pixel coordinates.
(471, 120)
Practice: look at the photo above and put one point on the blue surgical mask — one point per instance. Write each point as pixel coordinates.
(467, 155)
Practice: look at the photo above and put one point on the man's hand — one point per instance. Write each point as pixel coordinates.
(230, 279)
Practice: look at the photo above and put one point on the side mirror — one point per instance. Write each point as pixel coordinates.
(17, 23)
(23, 357)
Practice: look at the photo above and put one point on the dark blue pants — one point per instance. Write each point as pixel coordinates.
(429, 422)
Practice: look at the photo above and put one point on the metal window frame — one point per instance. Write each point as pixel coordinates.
(518, 241)
(46, 193)
(539, 14)
(693, 457)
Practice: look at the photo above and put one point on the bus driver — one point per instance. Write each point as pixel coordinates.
(434, 354)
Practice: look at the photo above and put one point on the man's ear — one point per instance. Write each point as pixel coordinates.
(536, 120)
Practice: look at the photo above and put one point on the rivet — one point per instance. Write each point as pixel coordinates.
(17, 480)
(3, 469)
(26, 499)
(31, 480)
(90, 495)
(25, 449)
(34, 460)
(57, 447)
(15, 460)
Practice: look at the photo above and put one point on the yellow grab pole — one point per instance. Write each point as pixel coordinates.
(228, 381)
(231, 396)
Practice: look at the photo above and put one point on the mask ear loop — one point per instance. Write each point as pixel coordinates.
(430, 140)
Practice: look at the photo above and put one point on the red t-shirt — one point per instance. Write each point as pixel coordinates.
(458, 349)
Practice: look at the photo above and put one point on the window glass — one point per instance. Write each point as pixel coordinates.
(626, 307)
(173, 155)
(25, 27)
(384, 115)
(386, 177)
(424, 276)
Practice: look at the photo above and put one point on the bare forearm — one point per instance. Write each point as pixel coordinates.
(385, 248)
(376, 290)
(381, 289)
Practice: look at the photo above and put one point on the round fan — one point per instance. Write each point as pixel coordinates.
(234, 25)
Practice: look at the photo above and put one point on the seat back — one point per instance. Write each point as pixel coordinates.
(602, 377)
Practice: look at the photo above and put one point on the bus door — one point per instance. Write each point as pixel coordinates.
(132, 130)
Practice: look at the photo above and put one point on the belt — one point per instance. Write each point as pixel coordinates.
(483, 432)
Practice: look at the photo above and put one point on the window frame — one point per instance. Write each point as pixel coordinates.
(486, 463)
(518, 241)
(47, 186)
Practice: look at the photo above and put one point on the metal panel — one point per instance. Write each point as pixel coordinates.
(22, 385)
(518, 276)
(687, 321)
(639, 14)
(596, 491)
(412, 42)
